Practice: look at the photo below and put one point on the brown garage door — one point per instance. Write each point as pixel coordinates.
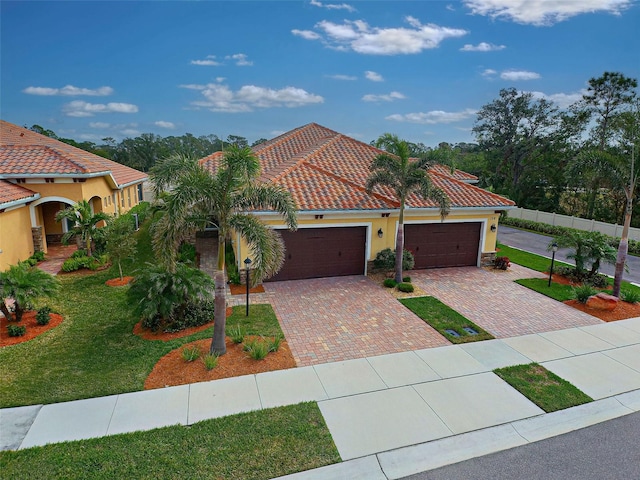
(323, 252)
(437, 245)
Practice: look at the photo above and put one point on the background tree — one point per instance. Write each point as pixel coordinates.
(225, 197)
(24, 284)
(404, 176)
(85, 222)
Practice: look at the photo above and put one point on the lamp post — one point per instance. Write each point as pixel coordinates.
(554, 249)
(247, 264)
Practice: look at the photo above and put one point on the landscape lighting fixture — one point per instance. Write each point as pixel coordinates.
(380, 233)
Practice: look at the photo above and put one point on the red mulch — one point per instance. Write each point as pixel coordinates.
(33, 329)
(118, 282)
(172, 369)
(147, 334)
(242, 289)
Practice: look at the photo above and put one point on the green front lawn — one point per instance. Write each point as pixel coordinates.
(442, 318)
(557, 291)
(255, 445)
(543, 387)
(526, 259)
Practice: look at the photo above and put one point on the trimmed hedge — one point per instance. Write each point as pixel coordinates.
(556, 230)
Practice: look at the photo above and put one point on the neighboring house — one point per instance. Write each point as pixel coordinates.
(341, 228)
(40, 176)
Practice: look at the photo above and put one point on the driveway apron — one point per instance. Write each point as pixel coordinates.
(492, 300)
(342, 318)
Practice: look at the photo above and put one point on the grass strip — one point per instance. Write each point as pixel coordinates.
(526, 259)
(542, 387)
(557, 291)
(442, 317)
(255, 445)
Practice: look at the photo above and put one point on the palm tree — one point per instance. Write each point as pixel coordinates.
(84, 222)
(405, 176)
(224, 197)
(23, 284)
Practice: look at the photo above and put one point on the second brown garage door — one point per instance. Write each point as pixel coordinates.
(437, 245)
(323, 252)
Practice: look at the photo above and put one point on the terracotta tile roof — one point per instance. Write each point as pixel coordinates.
(10, 193)
(23, 152)
(457, 174)
(325, 170)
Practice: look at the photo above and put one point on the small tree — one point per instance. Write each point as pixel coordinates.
(23, 284)
(84, 222)
(588, 247)
(121, 242)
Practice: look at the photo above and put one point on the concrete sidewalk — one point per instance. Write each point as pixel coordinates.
(389, 415)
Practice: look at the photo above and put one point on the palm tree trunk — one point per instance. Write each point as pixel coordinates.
(400, 245)
(623, 248)
(120, 268)
(5, 310)
(218, 345)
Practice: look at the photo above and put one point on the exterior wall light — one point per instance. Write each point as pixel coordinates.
(494, 227)
(380, 233)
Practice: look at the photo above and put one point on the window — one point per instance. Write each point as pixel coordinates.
(129, 196)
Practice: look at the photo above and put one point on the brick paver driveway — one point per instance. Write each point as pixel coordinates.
(493, 301)
(332, 319)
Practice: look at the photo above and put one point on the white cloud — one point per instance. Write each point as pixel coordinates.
(482, 47)
(209, 61)
(563, 100)
(163, 124)
(240, 58)
(433, 117)
(78, 108)
(359, 37)
(489, 72)
(131, 132)
(342, 77)
(545, 12)
(333, 6)
(220, 98)
(306, 34)
(99, 125)
(69, 91)
(516, 75)
(383, 98)
(373, 76)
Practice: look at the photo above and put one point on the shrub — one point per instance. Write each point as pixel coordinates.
(406, 279)
(190, 354)
(79, 253)
(16, 330)
(236, 334)
(43, 316)
(563, 270)
(210, 361)
(258, 349)
(38, 256)
(23, 284)
(386, 260)
(597, 281)
(389, 283)
(630, 296)
(501, 263)
(405, 287)
(274, 345)
(187, 254)
(583, 292)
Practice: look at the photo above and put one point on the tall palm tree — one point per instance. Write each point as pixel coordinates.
(395, 169)
(225, 197)
(85, 222)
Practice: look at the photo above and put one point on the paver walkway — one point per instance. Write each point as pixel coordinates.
(493, 301)
(342, 318)
(56, 255)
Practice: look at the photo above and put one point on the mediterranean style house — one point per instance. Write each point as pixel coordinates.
(40, 176)
(341, 228)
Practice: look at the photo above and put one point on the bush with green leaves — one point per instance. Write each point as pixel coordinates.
(236, 334)
(274, 344)
(187, 254)
(16, 330)
(43, 316)
(389, 283)
(406, 279)
(120, 242)
(405, 287)
(76, 262)
(386, 260)
(583, 292)
(210, 361)
(190, 354)
(257, 349)
(166, 298)
(501, 263)
(630, 296)
(23, 284)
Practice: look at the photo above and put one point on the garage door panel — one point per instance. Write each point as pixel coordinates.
(323, 252)
(438, 245)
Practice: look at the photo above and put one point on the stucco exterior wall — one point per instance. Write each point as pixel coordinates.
(16, 242)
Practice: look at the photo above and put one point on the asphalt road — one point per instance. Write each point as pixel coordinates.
(608, 450)
(536, 243)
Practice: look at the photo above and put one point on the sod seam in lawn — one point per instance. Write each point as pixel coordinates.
(442, 317)
(542, 387)
(254, 445)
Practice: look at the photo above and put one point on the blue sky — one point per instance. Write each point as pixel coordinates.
(420, 69)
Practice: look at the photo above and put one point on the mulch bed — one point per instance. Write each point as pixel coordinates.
(242, 289)
(33, 329)
(118, 282)
(172, 369)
